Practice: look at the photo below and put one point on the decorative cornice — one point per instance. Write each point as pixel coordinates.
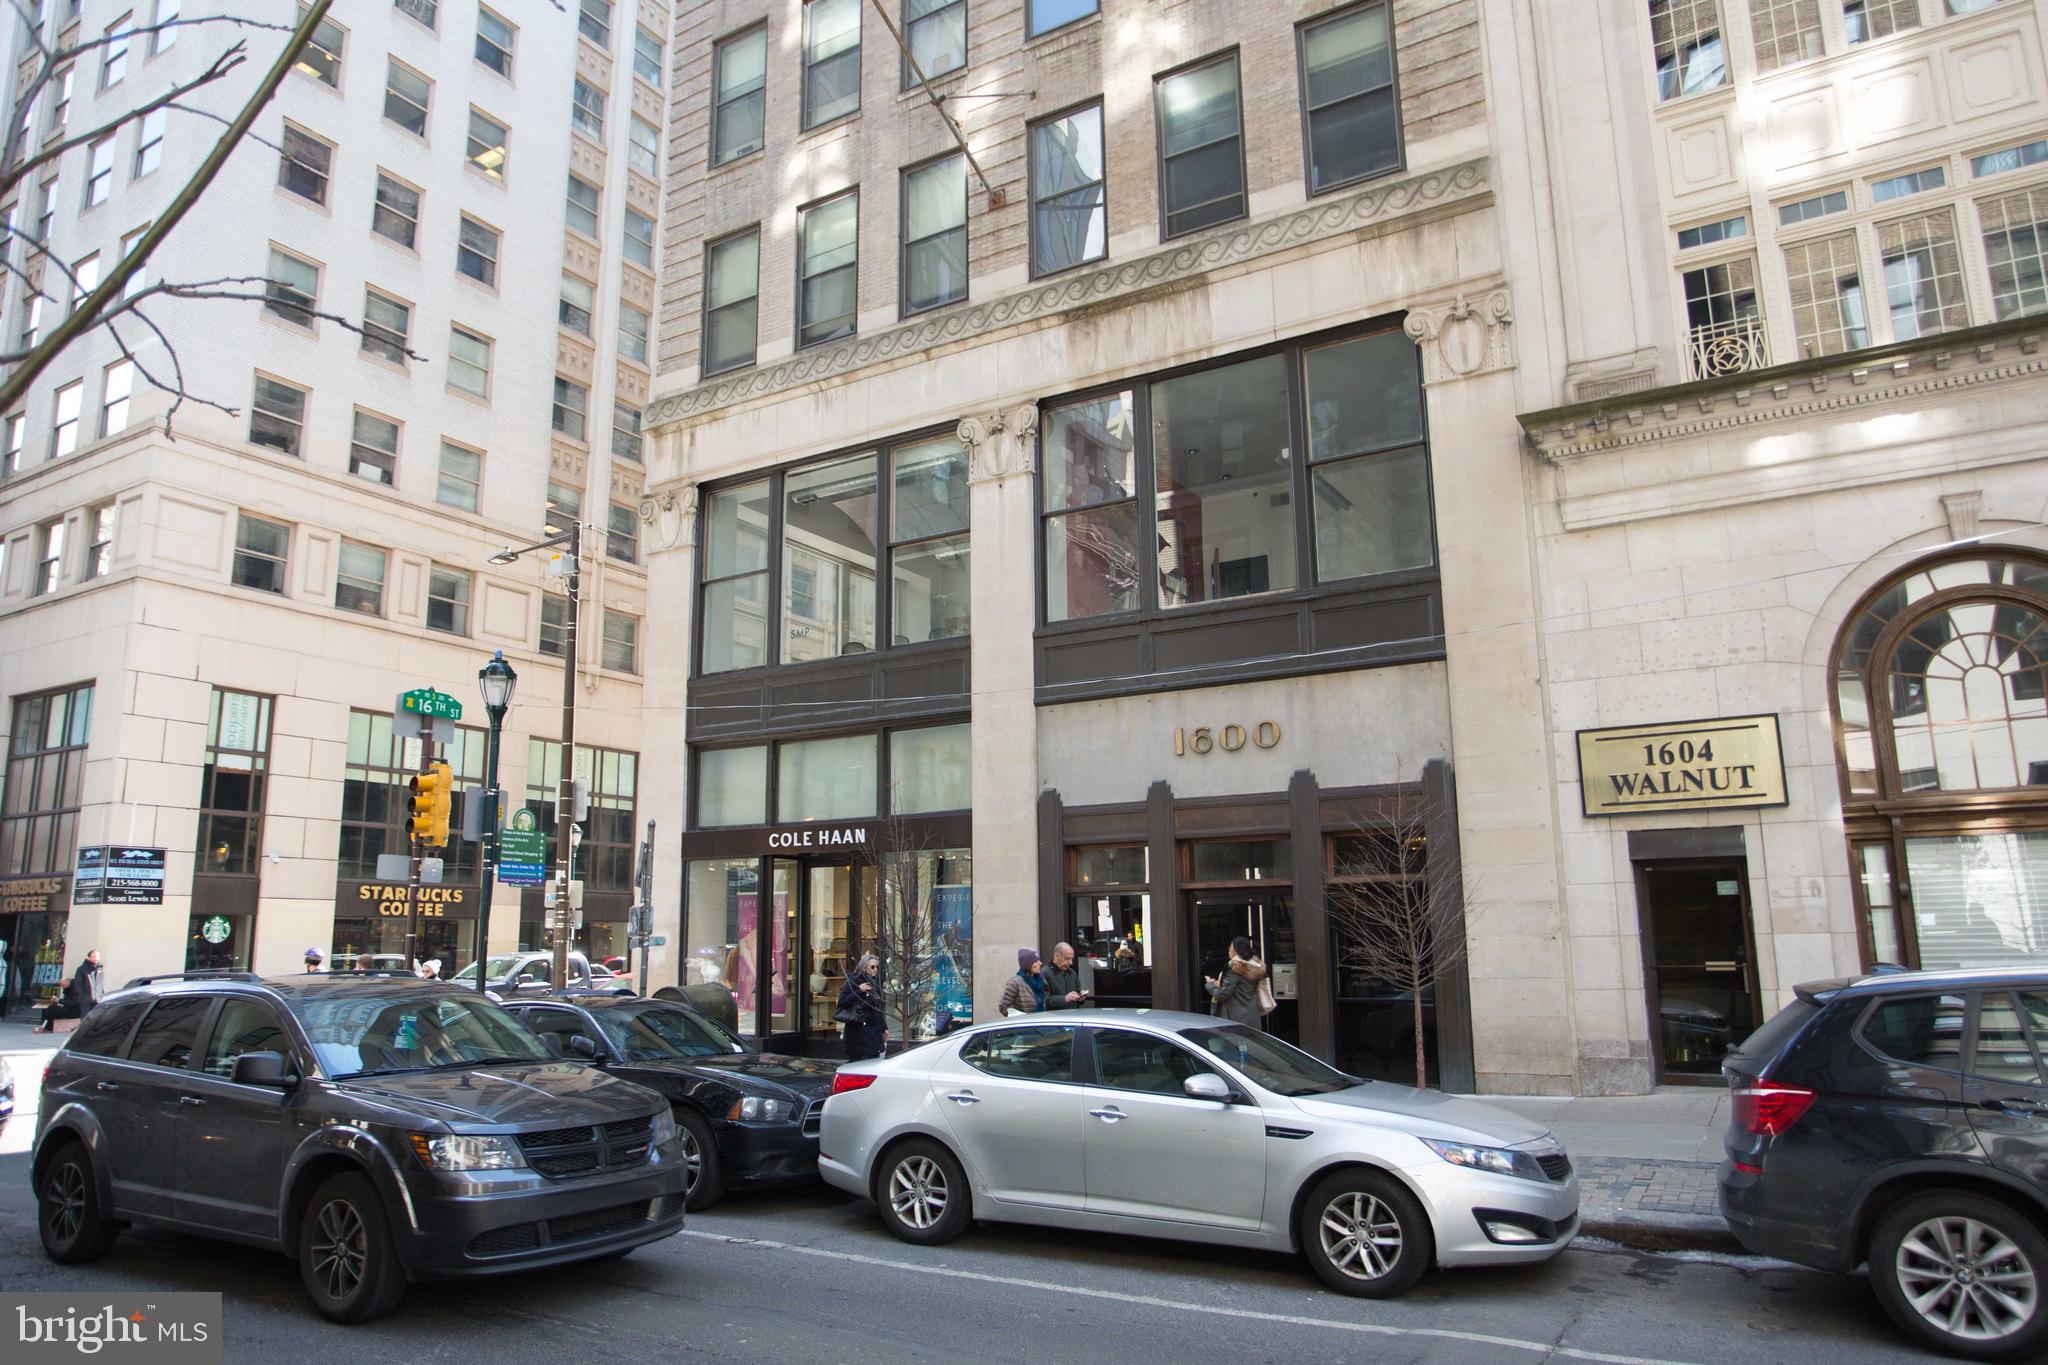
(1183, 259)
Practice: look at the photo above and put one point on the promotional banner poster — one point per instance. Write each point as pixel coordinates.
(953, 940)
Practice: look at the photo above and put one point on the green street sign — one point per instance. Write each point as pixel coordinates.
(216, 929)
(425, 701)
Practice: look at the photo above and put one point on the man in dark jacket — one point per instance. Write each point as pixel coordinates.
(1062, 981)
(80, 994)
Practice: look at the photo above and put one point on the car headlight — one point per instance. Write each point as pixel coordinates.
(664, 1128)
(467, 1152)
(1497, 1160)
(757, 1109)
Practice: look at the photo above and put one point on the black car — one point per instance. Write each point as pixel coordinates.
(1902, 1121)
(747, 1118)
(379, 1129)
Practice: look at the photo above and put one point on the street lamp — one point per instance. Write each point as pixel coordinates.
(565, 793)
(498, 682)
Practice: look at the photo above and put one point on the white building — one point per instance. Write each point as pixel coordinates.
(223, 614)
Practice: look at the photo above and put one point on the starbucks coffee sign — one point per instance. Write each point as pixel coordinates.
(1735, 762)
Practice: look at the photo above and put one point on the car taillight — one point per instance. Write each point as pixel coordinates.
(843, 1081)
(1768, 1108)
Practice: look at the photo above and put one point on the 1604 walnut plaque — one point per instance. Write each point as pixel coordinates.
(1735, 761)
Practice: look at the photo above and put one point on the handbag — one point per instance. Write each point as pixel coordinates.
(847, 1015)
(1267, 1004)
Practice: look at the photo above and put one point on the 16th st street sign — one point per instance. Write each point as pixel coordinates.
(425, 701)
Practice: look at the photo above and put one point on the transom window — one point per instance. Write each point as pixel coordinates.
(859, 543)
(1218, 446)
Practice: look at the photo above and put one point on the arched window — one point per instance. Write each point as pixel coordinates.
(1941, 711)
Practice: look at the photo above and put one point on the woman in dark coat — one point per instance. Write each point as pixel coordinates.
(860, 1009)
(81, 993)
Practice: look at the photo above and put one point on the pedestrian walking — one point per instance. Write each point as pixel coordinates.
(81, 993)
(1063, 980)
(1024, 993)
(860, 1010)
(1234, 992)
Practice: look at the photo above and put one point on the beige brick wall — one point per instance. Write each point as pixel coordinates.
(1006, 84)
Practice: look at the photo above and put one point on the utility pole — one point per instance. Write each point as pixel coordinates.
(565, 793)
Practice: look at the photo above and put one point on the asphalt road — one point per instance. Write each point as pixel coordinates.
(808, 1275)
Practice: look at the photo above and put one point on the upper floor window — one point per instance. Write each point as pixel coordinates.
(99, 550)
(16, 436)
(462, 476)
(565, 506)
(1825, 281)
(633, 333)
(117, 387)
(1043, 16)
(321, 57)
(406, 96)
(621, 641)
(594, 21)
(304, 165)
(732, 271)
(373, 448)
(49, 572)
(1217, 445)
(582, 205)
(426, 11)
(643, 147)
(494, 40)
(359, 580)
(639, 237)
(577, 303)
(1351, 125)
(586, 110)
(1685, 35)
(936, 33)
(395, 214)
(387, 327)
(1724, 330)
(1201, 148)
(626, 437)
(1784, 31)
(828, 269)
(45, 782)
(1923, 274)
(164, 19)
(935, 234)
(476, 252)
(231, 785)
(1863, 20)
(622, 534)
(378, 766)
(69, 405)
(848, 547)
(571, 402)
(469, 362)
(260, 547)
(831, 60)
(277, 416)
(647, 57)
(114, 52)
(448, 600)
(2016, 251)
(487, 144)
(1069, 225)
(293, 288)
(99, 173)
(149, 142)
(741, 96)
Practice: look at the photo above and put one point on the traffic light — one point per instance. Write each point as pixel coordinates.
(429, 805)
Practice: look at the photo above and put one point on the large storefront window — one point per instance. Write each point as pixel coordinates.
(1221, 449)
(371, 915)
(1941, 707)
(39, 840)
(1381, 872)
(835, 558)
(231, 792)
(1109, 900)
(605, 855)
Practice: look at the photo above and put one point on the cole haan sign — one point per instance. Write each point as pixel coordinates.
(1688, 765)
(813, 836)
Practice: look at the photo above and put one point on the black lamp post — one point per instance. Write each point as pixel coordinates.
(498, 682)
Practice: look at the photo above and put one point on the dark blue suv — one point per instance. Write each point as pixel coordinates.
(1902, 1120)
(378, 1128)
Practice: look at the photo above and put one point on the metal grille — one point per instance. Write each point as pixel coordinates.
(582, 1227)
(500, 1241)
(554, 1137)
(562, 1152)
(1557, 1166)
(814, 1118)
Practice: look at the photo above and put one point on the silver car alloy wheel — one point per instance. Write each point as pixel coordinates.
(1360, 1235)
(1966, 1278)
(340, 1248)
(693, 1162)
(65, 1191)
(917, 1192)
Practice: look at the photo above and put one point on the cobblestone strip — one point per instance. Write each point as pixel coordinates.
(1648, 1186)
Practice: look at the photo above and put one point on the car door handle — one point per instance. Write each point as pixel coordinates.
(2018, 1108)
(964, 1097)
(192, 1100)
(108, 1085)
(1109, 1115)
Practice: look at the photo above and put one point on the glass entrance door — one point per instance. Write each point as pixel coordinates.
(816, 916)
(1702, 988)
(1267, 919)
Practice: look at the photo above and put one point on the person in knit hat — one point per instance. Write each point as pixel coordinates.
(1024, 993)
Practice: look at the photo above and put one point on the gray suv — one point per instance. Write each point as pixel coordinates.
(378, 1129)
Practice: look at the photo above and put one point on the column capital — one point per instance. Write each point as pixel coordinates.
(1465, 335)
(671, 511)
(1000, 444)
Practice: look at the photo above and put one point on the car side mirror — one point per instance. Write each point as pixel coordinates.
(583, 1049)
(1208, 1086)
(263, 1068)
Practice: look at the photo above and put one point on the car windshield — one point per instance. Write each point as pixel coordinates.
(659, 1033)
(1270, 1063)
(500, 966)
(363, 1033)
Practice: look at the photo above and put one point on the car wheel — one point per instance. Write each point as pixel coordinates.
(74, 1227)
(1963, 1274)
(923, 1194)
(347, 1262)
(706, 1181)
(1364, 1234)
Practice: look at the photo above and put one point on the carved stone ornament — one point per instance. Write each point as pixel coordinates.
(1468, 335)
(1383, 201)
(1000, 445)
(672, 515)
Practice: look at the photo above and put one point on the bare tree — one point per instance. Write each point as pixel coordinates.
(918, 938)
(1397, 904)
(111, 302)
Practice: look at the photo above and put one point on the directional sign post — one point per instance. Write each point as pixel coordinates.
(522, 851)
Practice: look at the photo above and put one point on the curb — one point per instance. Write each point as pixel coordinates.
(1672, 1232)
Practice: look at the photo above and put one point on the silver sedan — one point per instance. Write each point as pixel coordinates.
(1184, 1126)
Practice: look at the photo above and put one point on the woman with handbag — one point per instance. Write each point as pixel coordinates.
(860, 1010)
(1239, 992)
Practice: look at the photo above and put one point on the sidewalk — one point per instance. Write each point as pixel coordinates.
(1646, 1163)
(27, 1053)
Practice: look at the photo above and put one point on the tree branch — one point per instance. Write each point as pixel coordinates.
(90, 309)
